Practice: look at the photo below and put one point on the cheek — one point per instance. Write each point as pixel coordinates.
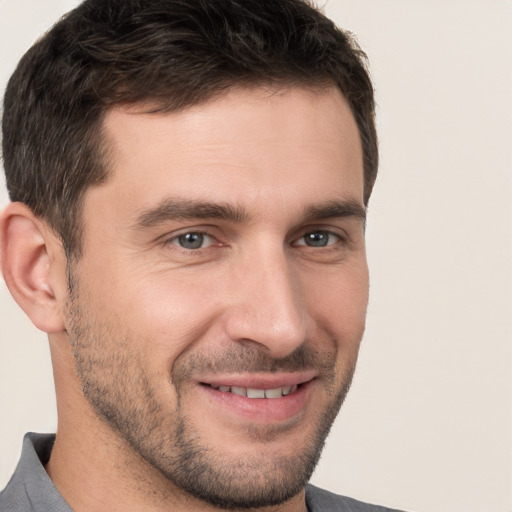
(171, 312)
(338, 302)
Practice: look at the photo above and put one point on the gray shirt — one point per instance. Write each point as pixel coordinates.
(31, 490)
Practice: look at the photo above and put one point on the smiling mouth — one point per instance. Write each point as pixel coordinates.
(257, 393)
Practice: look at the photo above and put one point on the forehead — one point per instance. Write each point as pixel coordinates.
(249, 145)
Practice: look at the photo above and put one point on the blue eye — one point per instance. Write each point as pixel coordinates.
(193, 240)
(318, 239)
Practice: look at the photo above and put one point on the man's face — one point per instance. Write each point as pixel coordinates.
(217, 310)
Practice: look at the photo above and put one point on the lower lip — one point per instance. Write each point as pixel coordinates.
(262, 410)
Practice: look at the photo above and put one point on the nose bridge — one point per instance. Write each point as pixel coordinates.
(269, 307)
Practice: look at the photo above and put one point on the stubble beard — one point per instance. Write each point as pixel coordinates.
(123, 396)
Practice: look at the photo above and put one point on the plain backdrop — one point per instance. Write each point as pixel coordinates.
(428, 423)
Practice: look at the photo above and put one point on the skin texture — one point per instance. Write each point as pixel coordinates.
(269, 186)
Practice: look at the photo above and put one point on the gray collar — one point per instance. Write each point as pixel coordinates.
(30, 488)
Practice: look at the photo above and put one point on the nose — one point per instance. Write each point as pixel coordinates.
(267, 306)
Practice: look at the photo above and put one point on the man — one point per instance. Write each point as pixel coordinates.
(189, 183)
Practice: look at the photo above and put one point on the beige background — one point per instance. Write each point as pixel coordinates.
(428, 424)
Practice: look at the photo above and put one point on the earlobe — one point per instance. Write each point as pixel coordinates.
(26, 248)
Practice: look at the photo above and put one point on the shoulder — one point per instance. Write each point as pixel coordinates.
(30, 488)
(319, 500)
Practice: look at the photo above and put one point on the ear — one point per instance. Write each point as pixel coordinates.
(33, 270)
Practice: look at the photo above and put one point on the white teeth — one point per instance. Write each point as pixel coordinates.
(255, 393)
(274, 393)
(287, 390)
(258, 393)
(238, 391)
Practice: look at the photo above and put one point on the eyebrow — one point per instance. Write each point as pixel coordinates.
(336, 210)
(183, 209)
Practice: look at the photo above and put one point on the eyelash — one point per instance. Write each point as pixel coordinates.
(204, 234)
(321, 232)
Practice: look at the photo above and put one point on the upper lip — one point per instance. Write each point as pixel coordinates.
(260, 380)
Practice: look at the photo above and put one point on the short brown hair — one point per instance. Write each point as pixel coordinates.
(172, 53)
